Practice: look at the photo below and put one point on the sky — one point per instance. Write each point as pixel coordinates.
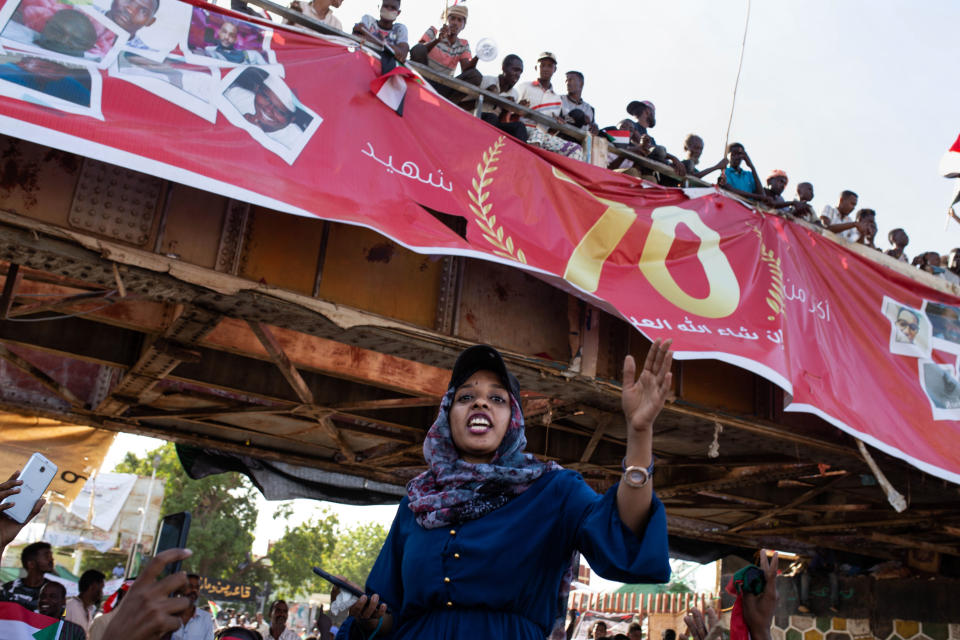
(845, 94)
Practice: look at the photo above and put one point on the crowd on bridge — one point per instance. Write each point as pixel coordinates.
(446, 52)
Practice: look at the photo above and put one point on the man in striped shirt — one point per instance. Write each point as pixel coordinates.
(443, 50)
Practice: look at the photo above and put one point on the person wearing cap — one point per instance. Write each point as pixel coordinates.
(443, 50)
(226, 47)
(266, 102)
(646, 118)
(776, 183)
(540, 96)
(485, 542)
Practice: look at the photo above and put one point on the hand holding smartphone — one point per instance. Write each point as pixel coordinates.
(338, 582)
(172, 534)
(36, 476)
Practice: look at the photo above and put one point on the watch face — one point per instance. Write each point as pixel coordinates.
(636, 477)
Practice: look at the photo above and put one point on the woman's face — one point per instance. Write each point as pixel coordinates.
(479, 416)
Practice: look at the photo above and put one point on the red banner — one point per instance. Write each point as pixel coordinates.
(287, 120)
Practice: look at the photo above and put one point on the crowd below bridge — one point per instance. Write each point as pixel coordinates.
(446, 52)
(156, 606)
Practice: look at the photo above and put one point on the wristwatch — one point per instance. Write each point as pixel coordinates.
(636, 477)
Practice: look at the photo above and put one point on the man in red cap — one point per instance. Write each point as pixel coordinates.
(776, 183)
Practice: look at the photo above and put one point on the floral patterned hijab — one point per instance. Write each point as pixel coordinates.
(453, 490)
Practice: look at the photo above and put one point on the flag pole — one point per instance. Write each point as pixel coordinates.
(950, 212)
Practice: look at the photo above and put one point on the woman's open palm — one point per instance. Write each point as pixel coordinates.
(644, 395)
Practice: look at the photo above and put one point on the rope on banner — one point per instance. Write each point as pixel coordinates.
(736, 84)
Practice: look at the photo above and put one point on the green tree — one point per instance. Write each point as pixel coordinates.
(300, 549)
(223, 509)
(356, 550)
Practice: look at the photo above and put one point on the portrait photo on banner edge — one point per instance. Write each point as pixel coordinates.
(72, 33)
(194, 88)
(155, 27)
(225, 41)
(910, 333)
(261, 103)
(72, 88)
(939, 381)
(944, 325)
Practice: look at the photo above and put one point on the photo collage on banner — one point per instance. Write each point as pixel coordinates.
(54, 53)
(919, 333)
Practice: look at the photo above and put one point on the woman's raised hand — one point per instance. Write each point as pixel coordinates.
(644, 395)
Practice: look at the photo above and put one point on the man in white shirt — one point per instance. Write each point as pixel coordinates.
(573, 100)
(278, 623)
(82, 607)
(196, 623)
(260, 625)
(838, 220)
(318, 10)
(539, 94)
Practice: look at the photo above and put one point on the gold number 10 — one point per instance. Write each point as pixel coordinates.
(586, 263)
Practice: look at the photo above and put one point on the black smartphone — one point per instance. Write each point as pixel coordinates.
(172, 534)
(334, 580)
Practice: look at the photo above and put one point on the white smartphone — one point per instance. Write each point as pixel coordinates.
(37, 475)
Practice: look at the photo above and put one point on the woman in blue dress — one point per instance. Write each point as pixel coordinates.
(481, 546)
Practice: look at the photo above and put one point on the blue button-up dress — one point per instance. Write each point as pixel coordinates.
(499, 576)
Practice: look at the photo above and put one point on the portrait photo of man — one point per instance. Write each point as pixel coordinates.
(155, 27)
(908, 324)
(910, 331)
(59, 30)
(262, 104)
(945, 325)
(227, 41)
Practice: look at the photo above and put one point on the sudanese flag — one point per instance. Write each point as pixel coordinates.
(19, 623)
(950, 162)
